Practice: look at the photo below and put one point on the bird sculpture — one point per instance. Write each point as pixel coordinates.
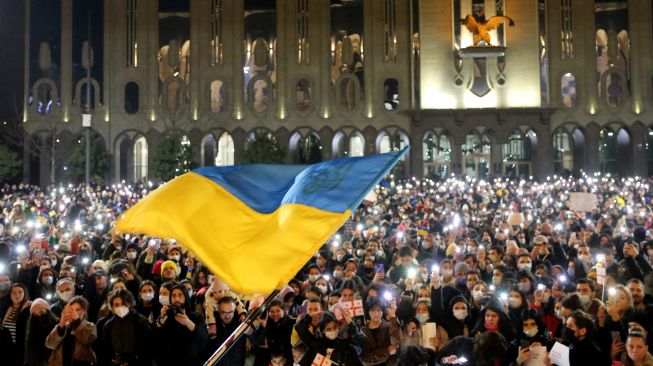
(481, 28)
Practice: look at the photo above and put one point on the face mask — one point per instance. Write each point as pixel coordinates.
(379, 253)
(460, 314)
(524, 287)
(4, 286)
(164, 300)
(515, 302)
(331, 335)
(313, 278)
(422, 318)
(53, 263)
(583, 257)
(569, 335)
(585, 299)
(131, 255)
(478, 295)
(496, 280)
(339, 257)
(447, 272)
(175, 257)
(147, 297)
(48, 280)
(530, 332)
(323, 289)
(66, 295)
(526, 266)
(558, 314)
(121, 311)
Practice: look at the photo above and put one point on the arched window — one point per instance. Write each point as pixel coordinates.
(308, 150)
(477, 156)
(607, 151)
(140, 159)
(391, 94)
(217, 96)
(356, 144)
(132, 95)
(208, 150)
(384, 143)
(516, 155)
(563, 155)
(225, 155)
(436, 155)
(568, 90)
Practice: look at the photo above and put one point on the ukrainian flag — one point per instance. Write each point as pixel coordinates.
(256, 225)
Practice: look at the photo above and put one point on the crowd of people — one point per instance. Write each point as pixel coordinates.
(458, 271)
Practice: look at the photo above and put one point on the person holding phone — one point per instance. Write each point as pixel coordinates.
(383, 336)
(73, 328)
(486, 349)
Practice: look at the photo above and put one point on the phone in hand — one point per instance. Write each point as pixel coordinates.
(379, 268)
(616, 336)
(302, 310)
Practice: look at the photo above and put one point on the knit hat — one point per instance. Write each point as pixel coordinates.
(168, 264)
(38, 305)
(117, 266)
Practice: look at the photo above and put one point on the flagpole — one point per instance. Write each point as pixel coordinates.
(231, 340)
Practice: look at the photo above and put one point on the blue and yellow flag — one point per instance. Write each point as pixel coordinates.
(256, 225)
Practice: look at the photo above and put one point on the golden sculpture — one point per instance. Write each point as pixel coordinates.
(481, 28)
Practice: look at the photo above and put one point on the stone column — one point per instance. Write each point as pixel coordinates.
(66, 87)
(591, 148)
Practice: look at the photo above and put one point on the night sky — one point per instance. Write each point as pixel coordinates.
(11, 58)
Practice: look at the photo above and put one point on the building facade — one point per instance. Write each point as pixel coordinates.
(567, 87)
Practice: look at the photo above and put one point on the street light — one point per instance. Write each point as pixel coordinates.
(88, 108)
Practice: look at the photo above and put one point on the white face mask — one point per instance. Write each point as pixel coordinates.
(313, 278)
(121, 311)
(148, 296)
(530, 332)
(526, 266)
(131, 255)
(164, 300)
(422, 318)
(447, 272)
(460, 314)
(331, 335)
(585, 299)
(48, 280)
(175, 257)
(66, 295)
(323, 289)
(477, 295)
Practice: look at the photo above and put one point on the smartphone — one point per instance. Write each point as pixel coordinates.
(616, 336)
(302, 310)
(525, 343)
(379, 268)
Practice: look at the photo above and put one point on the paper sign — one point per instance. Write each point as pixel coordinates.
(538, 354)
(600, 275)
(516, 219)
(355, 306)
(428, 332)
(582, 201)
(559, 354)
(321, 360)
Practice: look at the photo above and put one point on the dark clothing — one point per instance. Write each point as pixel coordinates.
(440, 299)
(127, 339)
(275, 336)
(38, 329)
(587, 352)
(177, 345)
(464, 347)
(237, 353)
(13, 353)
(346, 351)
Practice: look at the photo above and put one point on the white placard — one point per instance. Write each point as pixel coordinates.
(582, 201)
(559, 354)
(428, 331)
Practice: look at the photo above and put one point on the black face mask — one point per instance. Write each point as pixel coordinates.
(569, 335)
